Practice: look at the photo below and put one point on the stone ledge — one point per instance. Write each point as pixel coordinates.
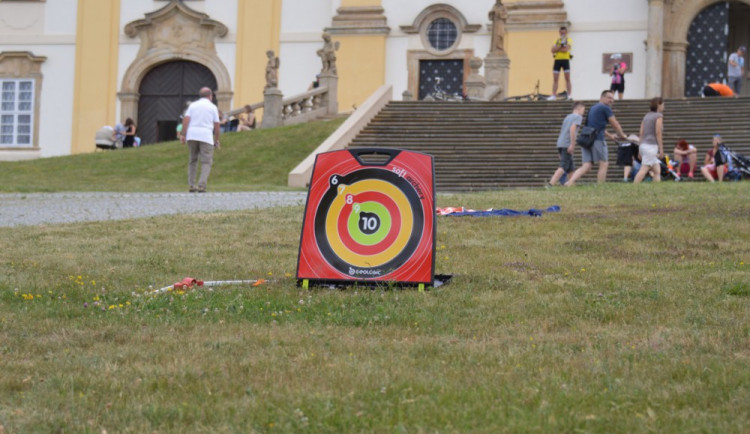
(359, 20)
(19, 154)
(534, 15)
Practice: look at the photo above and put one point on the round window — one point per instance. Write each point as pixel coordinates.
(442, 34)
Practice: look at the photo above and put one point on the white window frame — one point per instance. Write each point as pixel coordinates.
(15, 113)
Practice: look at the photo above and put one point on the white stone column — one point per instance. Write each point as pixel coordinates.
(272, 107)
(655, 48)
(331, 99)
(673, 83)
(496, 73)
(475, 83)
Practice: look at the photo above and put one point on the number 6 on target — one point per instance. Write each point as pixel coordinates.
(369, 221)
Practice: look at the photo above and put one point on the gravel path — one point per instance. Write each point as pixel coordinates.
(50, 208)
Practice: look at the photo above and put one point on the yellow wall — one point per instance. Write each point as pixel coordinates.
(361, 68)
(95, 88)
(258, 30)
(531, 60)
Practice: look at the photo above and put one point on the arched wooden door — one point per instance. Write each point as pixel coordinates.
(165, 92)
(706, 59)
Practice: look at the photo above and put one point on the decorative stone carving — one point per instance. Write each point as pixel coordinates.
(328, 55)
(20, 64)
(176, 27)
(434, 12)
(174, 32)
(272, 70)
(498, 15)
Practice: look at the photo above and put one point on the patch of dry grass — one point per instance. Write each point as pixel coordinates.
(626, 312)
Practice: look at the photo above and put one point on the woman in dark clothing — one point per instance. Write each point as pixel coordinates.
(127, 142)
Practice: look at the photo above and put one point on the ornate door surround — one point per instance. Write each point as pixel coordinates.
(172, 33)
(678, 16)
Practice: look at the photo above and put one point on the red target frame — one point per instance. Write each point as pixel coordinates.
(369, 217)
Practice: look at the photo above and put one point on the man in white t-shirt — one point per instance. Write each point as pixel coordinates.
(736, 69)
(200, 129)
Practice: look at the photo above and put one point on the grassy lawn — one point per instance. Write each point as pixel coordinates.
(255, 160)
(628, 311)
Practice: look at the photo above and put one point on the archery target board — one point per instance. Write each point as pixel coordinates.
(368, 221)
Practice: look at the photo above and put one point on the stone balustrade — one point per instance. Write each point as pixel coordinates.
(301, 108)
(304, 107)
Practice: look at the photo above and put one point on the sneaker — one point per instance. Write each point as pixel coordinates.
(625, 179)
(192, 190)
(551, 98)
(201, 189)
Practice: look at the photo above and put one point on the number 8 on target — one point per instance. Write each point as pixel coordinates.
(370, 216)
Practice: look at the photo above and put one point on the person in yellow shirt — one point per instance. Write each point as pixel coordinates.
(561, 53)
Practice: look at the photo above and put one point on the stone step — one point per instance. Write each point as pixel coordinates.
(480, 146)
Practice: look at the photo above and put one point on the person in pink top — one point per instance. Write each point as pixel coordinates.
(618, 78)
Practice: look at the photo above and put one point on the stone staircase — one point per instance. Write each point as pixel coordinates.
(490, 145)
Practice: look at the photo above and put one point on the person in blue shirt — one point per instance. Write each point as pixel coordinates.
(600, 116)
(736, 70)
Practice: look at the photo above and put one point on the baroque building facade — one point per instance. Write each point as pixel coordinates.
(67, 67)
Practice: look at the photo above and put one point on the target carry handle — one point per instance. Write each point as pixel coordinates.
(374, 156)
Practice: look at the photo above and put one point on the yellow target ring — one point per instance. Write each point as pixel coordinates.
(337, 206)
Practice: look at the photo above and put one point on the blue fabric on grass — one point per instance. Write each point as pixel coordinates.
(504, 212)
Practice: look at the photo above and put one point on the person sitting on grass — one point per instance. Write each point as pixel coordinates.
(686, 157)
(247, 119)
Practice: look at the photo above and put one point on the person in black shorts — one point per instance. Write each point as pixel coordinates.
(561, 53)
(566, 143)
(626, 153)
(618, 79)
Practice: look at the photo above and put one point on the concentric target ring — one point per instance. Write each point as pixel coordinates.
(385, 191)
(387, 233)
(362, 255)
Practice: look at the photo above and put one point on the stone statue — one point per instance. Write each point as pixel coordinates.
(272, 70)
(328, 55)
(498, 16)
